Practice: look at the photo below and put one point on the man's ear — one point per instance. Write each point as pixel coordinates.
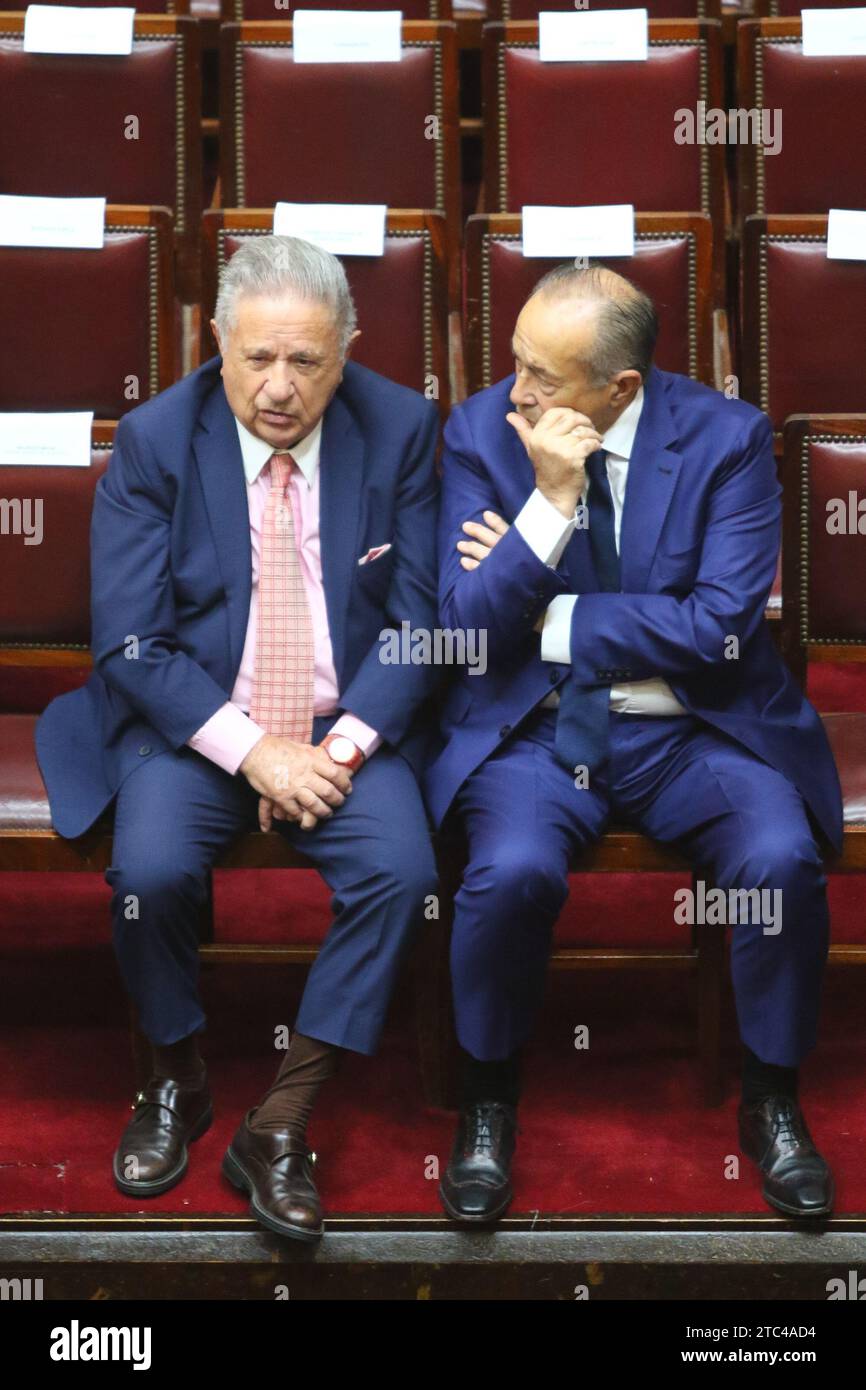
(215, 331)
(628, 384)
(351, 342)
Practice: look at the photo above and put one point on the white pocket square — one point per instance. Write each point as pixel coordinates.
(373, 553)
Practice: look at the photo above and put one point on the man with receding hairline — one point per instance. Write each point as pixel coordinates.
(614, 529)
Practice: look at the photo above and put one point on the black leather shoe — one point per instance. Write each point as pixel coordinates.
(152, 1154)
(477, 1181)
(277, 1172)
(774, 1135)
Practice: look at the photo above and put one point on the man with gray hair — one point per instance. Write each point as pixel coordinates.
(614, 528)
(258, 526)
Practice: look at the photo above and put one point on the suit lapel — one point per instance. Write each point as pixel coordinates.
(652, 476)
(217, 453)
(341, 480)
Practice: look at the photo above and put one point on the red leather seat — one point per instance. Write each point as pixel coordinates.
(45, 596)
(234, 11)
(820, 162)
(348, 132)
(99, 325)
(64, 122)
(562, 133)
(658, 9)
(804, 320)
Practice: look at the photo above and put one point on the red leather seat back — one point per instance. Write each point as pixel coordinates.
(820, 162)
(833, 468)
(45, 594)
(600, 132)
(89, 330)
(804, 316)
(370, 148)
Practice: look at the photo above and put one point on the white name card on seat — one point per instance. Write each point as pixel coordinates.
(345, 229)
(846, 234)
(66, 222)
(76, 29)
(834, 33)
(58, 438)
(347, 36)
(593, 36)
(603, 230)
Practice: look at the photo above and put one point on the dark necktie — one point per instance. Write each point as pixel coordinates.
(582, 721)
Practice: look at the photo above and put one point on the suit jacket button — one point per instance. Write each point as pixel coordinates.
(505, 731)
(554, 676)
(144, 750)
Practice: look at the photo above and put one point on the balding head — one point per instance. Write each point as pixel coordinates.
(583, 339)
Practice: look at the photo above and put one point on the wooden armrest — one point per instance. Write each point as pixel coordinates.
(722, 366)
(456, 360)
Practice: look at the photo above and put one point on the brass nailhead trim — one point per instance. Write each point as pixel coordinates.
(764, 305)
(438, 153)
(502, 104)
(805, 453)
(180, 110)
(152, 302)
(226, 232)
(760, 173)
(486, 295)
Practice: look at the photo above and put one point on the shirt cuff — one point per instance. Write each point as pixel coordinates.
(556, 633)
(365, 738)
(227, 737)
(544, 528)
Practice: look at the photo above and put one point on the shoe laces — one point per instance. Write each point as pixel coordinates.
(790, 1128)
(484, 1126)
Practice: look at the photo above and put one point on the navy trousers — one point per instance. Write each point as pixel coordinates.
(741, 822)
(178, 810)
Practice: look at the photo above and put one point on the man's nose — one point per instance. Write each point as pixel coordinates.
(520, 394)
(280, 385)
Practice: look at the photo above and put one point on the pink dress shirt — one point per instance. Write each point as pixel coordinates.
(229, 735)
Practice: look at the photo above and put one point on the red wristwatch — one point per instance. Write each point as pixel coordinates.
(343, 751)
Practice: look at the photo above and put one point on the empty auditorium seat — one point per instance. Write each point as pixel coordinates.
(657, 9)
(824, 617)
(67, 125)
(339, 132)
(576, 133)
(235, 11)
(672, 263)
(45, 596)
(820, 162)
(401, 297)
(94, 329)
(804, 321)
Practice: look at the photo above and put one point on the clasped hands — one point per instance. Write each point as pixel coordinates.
(297, 781)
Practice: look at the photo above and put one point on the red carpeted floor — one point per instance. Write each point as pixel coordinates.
(611, 1129)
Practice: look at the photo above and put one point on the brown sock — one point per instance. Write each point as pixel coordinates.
(180, 1061)
(289, 1102)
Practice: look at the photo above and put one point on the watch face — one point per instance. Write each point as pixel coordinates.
(341, 749)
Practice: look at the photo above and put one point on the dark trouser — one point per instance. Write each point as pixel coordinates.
(676, 779)
(175, 814)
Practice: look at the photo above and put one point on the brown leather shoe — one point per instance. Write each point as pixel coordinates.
(152, 1154)
(277, 1172)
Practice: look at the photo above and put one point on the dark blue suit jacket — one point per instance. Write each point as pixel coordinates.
(699, 540)
(171, 565)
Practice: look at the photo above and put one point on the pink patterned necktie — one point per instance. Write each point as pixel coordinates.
(282, 698)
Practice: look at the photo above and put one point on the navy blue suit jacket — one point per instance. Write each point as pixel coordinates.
(171, 566)
(699, 539)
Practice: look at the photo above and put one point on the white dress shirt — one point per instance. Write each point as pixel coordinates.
(547, 532)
